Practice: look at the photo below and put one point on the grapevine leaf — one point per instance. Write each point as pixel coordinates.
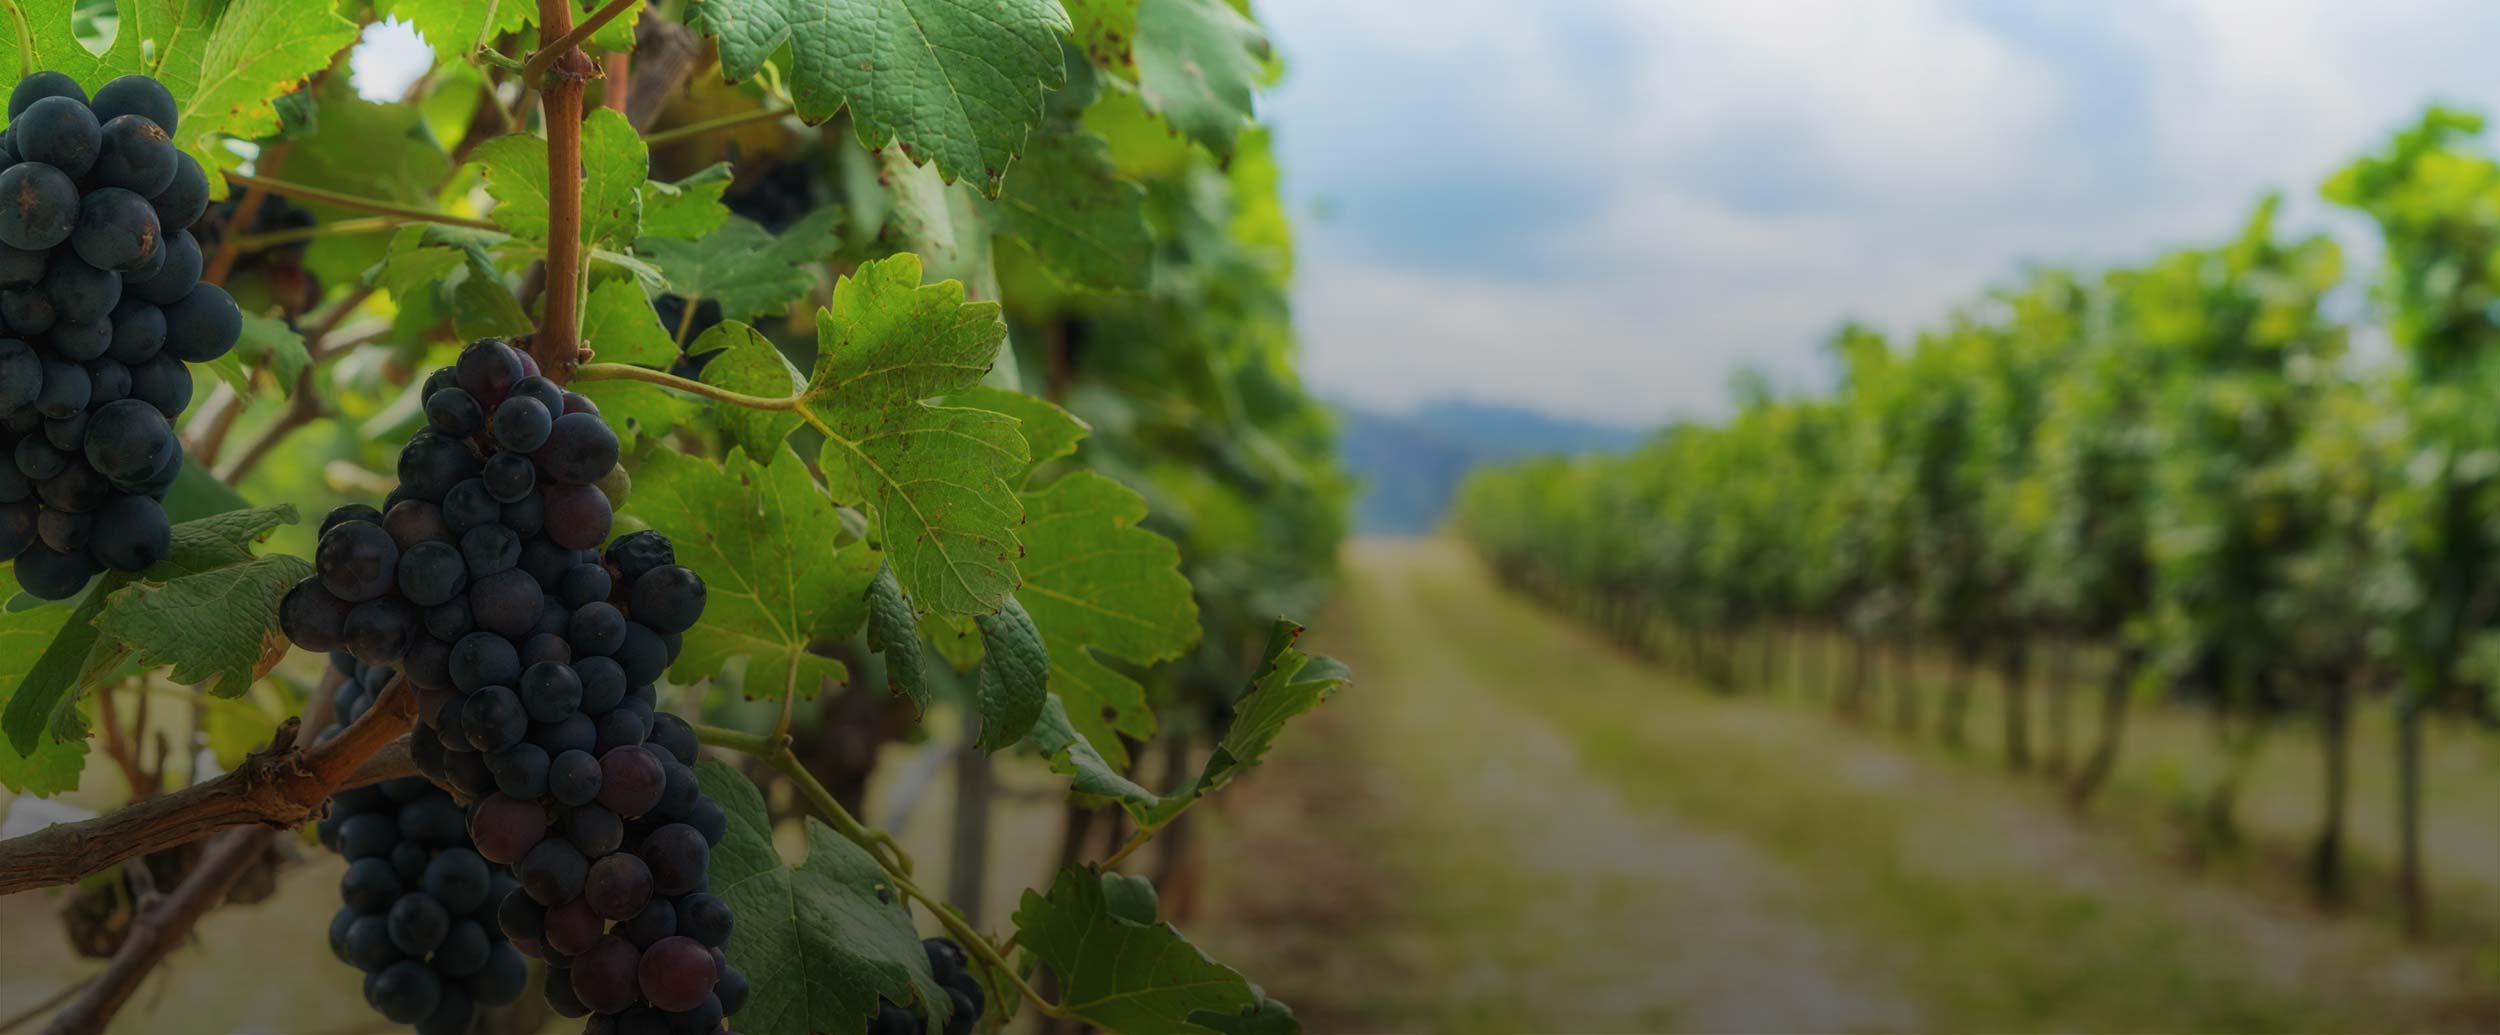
(1015, 667)
(355, 146)
(258, 50)
(1107, 30)
(634, 409)
(614, 164)
(1098, 585)
(958, 84)
(687, 209)
(50, 766)
(937, 473)
(894, 631)
(265, 344)
(1198, 62)
(1269, 1017)
(778, 576)
(77, 655)
(441, 273)
(1071, 755)
(454, 27)
(1122, 974)
(619, 323)
(1071, 207)
(1049, 431)
(748, 363)
(744, 267)
(1290, 683)
(218, 626)
(820, 942)
(946, 226)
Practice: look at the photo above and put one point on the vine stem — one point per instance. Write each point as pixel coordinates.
(775, 751)
(646, 375)
(558, 344)
(276, 788)
(553, 50)
(695, 129)
(353, 203)
(1135, 841)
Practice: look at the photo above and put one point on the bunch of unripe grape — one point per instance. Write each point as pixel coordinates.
(101, 307)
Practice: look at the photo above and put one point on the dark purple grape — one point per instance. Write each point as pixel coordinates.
(580, 449)
(552, 872)
(572, 928)
(618, 887)
(578, 516)
(505, 829)
(668, 598)
(357, 561)
(676, 974)
(605, 977)
(678, 857)
(419, 923)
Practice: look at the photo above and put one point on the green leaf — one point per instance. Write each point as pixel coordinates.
(937, 473)
(689, 208)
(956, 84)
(441, 273)
(1291, 683)
(1198, 62)
(894, 631)
(266, 344)
(744, 267)
(778, 574)
(1069, 205)
(1015, 668)
(1107, 30)
(454, 27)
(1269, 1017)
(78, 655)
(620, 324)
(749, 364)
(614, 165)
(215, 626)
(1049, 431)
(820, 942)
(635, 409)
(1096, 584)
(50, 766)
(1071, 755)
(1119, 973)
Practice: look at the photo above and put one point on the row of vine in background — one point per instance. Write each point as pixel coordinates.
(2178, 476)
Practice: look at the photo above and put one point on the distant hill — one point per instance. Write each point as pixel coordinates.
(1410, 464)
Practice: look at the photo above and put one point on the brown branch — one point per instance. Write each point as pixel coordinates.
(246, 210)
(557, 345)
(571, 39)
(277, 788)
(666, 56)
(620, 76)
(58, 996)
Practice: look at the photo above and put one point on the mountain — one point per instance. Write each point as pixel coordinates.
(1410, 464)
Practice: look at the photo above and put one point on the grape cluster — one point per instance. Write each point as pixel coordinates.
(101, 303)
(953, 970)
(419, 912)
(535, 657)
(779, 198)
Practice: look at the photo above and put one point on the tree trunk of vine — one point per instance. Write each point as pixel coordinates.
(968, 842)
(2326, 853)
(1852, 698)
(2409, 884)
(2061, 711)
(1905, 703)
(2116, 689)
(1953, 726)
(2016, 672)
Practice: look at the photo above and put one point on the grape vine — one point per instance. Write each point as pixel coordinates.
(719, 463)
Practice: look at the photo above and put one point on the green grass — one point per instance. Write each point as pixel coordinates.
(1535, 765)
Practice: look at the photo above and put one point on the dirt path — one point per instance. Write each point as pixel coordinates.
(1517, 828)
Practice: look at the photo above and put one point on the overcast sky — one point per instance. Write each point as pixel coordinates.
(1605, 207)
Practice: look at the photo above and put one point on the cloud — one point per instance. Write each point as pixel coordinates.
(1608, 206)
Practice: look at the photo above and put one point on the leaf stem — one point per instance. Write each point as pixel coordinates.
(694, 129)
(353, 203)
(664, 379)
(1135, 841)
(548, 52)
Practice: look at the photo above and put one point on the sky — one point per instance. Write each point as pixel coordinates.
(1606, 208)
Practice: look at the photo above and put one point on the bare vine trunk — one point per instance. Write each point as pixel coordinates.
(2117, 687)
(2016, 670)
(2326, 853)
(2409, 883)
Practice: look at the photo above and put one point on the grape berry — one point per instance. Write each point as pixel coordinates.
(953, 970)
(101, 306)
(535, 657)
